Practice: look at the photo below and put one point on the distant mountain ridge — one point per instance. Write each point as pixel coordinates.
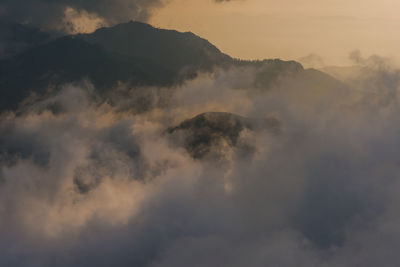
(133, 53)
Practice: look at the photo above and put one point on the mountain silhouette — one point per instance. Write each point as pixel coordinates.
(211, 133)
(16, 38)
(134, 54)
(168, 48)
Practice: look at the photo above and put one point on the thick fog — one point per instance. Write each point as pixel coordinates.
(87, 182)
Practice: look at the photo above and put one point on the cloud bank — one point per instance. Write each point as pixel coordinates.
(89, 183)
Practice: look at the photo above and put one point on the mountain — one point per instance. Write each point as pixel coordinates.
(41, 69)
(207, 133)
(168, 48)
(133, 54)
(15, 38)
(212, 133)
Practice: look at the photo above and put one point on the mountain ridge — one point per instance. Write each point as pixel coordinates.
(134, 53)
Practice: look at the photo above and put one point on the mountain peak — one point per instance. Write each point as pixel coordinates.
(127, 25)
(168, 48)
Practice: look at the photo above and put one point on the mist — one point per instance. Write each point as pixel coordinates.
(88, 182)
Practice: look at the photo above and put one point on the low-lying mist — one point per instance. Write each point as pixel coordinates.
(290, 174)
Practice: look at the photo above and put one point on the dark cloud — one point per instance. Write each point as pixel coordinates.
(59, 14)
(51, 14)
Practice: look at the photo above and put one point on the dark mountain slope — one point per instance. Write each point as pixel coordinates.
(171, 49)
(205, 133)
(106, 57)
(15, 38)
(212, 132)
(135, 54)
(67, 60)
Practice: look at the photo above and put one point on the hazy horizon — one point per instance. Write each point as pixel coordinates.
(255, 29)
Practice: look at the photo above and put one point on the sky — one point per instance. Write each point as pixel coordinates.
(289, 29)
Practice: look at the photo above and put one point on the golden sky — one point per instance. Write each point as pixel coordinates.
(289, 29)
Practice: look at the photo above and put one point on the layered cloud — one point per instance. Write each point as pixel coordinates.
(88, 183)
